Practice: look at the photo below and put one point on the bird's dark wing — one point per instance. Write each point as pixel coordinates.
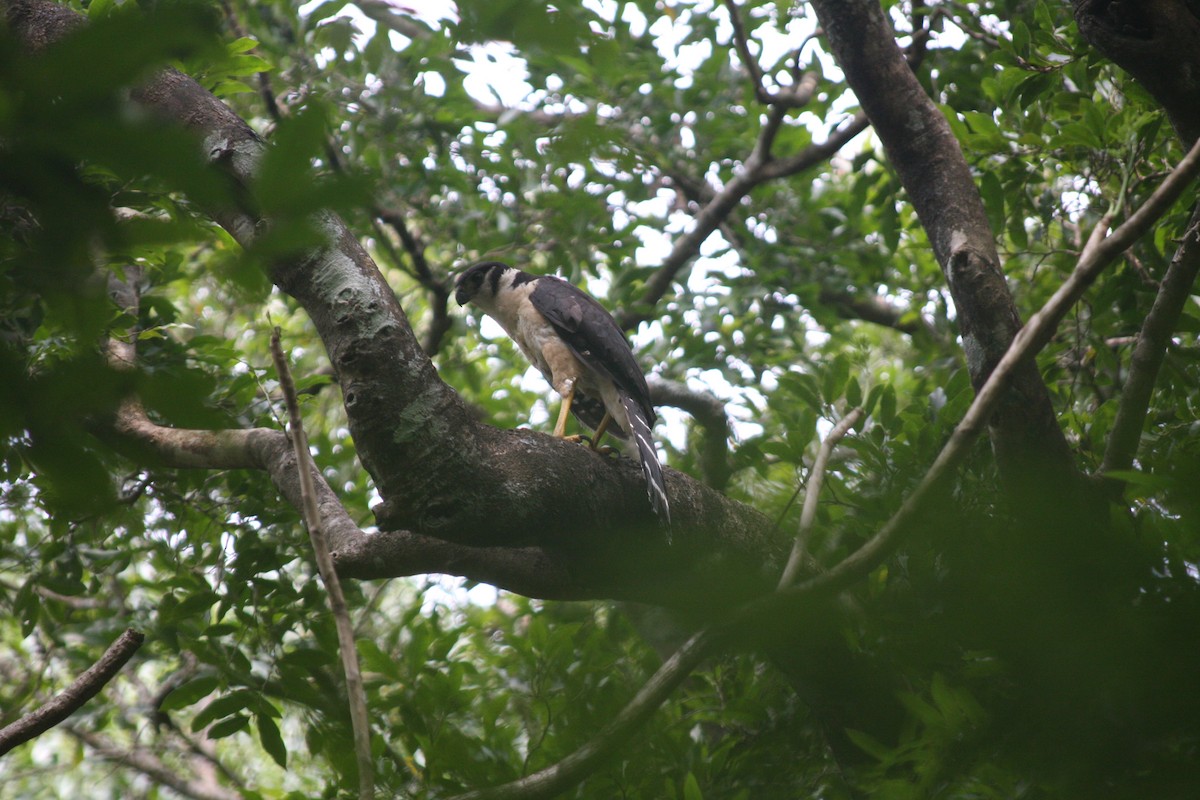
(593, 335)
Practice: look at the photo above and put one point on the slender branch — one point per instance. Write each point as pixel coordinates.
(144, 761)
(439, 291)
(1098, 254)
(809, 512)
(796, 96)
(556, 779)
(71, 699)
(741, 42)
(1151, 348)
(687, 246)
(249, 448)
(337, 600)
(876, 310)
(709, 411)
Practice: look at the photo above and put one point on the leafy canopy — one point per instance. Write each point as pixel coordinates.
(582, 140)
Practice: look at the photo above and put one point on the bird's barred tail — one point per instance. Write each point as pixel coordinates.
(656, 487)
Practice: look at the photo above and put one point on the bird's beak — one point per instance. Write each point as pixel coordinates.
(461, 296)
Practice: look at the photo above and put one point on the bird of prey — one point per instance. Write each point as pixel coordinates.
(582, 352)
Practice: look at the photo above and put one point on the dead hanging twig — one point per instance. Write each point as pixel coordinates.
(337, 600)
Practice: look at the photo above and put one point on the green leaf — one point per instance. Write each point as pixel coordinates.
(853, 393)
(887, 408)
(228, 727)
(26, 606)
(272, 741)
(190, 692)
(223, 706)
(993, 200)
(870, 745)
(691, 788)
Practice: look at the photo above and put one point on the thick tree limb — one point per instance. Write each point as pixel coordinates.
(532, 571)
(442, 473)
(1158, 42)
(71, 699)
(1151, 349)
(1030, 448)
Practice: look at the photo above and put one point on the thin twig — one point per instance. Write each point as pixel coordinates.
(556, 779)
(337, 600)
(71, 699)
(1099, 253)
(815, 478)
(708, 411)
(742, 44)
(148, 763)
(762, 169)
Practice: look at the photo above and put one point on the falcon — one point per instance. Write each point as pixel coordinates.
(582, 352)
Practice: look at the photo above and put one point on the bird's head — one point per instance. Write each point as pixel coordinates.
(480, 281)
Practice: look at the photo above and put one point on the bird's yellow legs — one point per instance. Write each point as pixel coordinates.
(561, 427)
(600, 429)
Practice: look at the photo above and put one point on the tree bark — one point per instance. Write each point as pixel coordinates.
(1031, 451)
(516, 507)
(82, 689)
(1158, 43)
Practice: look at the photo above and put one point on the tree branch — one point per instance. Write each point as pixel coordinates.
(1151, 349)
(741, 43)
(874, 309)
(561, 776)
(147, 763)
(809, 512)
(1031, 450)
(71, 699)
(1099, 253)
(337, 600)
(439, 292)
(709, 412)
(755, 172)
(796, 96)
